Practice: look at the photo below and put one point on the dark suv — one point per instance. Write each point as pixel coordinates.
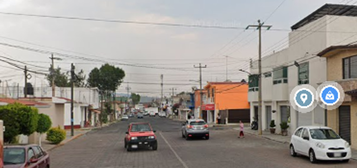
(140, 135)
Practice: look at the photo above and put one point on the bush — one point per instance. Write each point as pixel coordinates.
(272, 124)
(18, 119)
(284, 125)
(56, 135)
(44, 123)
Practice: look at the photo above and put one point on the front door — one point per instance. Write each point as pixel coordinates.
(255, 113)
(345, 122)
(268, 116)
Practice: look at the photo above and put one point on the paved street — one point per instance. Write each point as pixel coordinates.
(104, 148)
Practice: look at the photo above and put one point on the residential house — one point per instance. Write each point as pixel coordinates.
(342, 68)
(229, 99)
(324, 27)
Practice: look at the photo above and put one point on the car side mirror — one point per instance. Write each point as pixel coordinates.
(154, 130)
(306, 138)
(126, 132)
(33, 160)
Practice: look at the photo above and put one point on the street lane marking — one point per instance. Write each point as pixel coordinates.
(177, 156)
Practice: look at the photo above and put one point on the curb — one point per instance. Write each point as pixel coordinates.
(63, 143)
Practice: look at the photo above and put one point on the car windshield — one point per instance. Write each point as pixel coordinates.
(197, 123)
(140, 128)
(323, 134)
(14, 156)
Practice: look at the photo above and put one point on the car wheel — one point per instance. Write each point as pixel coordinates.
(292, 151)
(346, 161)
(154, 147)
(128, 148)
(125, 144)
(186, 136)
(207, 137)
(312, 156)
(183, 136)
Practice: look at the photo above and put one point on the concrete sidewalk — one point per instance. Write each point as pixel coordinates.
(279, 138)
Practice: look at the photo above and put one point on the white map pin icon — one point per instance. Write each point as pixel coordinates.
(303, 97)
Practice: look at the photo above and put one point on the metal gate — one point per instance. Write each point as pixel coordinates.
(234, 116)
(345, 123)
(268, 116)
(284, 113)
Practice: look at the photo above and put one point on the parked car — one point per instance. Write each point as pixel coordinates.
(131, 115)
(29, 156)
(162, 114)
(152, 114)
(195, 128)
(319, 143)
(146, 113)
(140, 135)
(125, 118)
(140, 115)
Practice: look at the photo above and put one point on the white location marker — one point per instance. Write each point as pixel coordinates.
(303, 97)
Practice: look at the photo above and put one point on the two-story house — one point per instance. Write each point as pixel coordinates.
(297, 64)
(342, 68)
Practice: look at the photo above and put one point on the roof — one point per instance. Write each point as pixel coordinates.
(327, 9)
(335, 49)
(224, 83)
(24, 102)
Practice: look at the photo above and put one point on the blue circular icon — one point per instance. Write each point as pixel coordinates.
(330, 95)
(304, 98)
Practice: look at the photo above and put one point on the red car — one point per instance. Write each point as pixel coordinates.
(25, 156)
(140, 135)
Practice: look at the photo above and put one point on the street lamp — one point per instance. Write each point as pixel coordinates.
(242, 70)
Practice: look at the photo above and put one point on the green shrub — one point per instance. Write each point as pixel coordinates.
(284, 125)
(44, 123)
(272, 124)
(56, 135)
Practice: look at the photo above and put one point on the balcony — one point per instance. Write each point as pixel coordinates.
(280, 90)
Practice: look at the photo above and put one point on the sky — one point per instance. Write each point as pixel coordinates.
(145, 52)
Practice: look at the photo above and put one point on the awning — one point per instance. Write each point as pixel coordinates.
(352, 92)
(96, 111)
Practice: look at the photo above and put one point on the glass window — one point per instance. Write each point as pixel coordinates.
(268, 74)
(303, 73)
(253, 81)
(30, 154)
(197, 123)
(350, 67)
(140, 128)
(305, 133)
(323, 134)
(298, 132)
(14, 156)
(38, 153)
(280, 75)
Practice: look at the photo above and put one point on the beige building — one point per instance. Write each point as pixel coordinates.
(342, 68)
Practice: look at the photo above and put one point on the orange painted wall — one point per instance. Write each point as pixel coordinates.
(230, 96)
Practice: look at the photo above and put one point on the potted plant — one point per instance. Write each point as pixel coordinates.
(272, 126)
(284, 126)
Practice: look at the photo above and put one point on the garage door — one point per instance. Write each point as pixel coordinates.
(234, 116)
(345, 122)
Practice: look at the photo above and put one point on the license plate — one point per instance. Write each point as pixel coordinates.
(337, 154)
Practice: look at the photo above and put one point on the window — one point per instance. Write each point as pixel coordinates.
(350, 67)
(268, 74)
(140, 128)
(30, 154)
(280, 75)
(305, 133)
(298, 132)
(303, 73)
(38, 153)
(253, 82)
(323, 134)
(14, 156)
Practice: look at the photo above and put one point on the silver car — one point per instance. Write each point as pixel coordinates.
(195, 128)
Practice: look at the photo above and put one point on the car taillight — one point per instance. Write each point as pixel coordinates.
(206, 126)
(189, 126)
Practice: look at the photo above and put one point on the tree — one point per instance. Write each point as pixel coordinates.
(62, 79)
(18, 119)
(44, 124)
(135, 98)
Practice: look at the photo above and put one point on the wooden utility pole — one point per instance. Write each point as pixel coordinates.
(162, 90)
(53, 74)
(25, 91)
(201, 93)
(72, 88)
(259, 27)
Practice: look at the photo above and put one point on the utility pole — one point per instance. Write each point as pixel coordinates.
(25, 91)
(72, 88)
(53, 73)
(201, 93)
(173, 93)
(259, 27)
(162, 89)
(128, 89)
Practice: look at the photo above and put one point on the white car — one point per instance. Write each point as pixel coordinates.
(162, 114)
(319, 143)
(124, 118)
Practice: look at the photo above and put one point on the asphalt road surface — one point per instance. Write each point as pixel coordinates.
(104, 148)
